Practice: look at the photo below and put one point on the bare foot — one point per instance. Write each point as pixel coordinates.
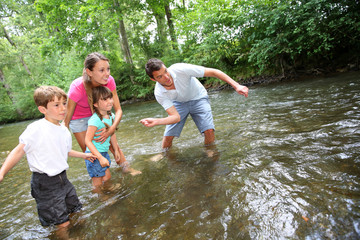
(134, 172)
(157, 157)
(127, 169)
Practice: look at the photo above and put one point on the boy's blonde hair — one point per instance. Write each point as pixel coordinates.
(45, 94)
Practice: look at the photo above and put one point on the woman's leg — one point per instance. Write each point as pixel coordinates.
(80, 138)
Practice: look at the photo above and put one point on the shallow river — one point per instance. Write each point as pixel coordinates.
(286, 165)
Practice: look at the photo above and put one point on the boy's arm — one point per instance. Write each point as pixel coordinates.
(14, 157)
(76, 154)
(90, 133)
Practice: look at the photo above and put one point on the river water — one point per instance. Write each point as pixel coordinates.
(286, 165)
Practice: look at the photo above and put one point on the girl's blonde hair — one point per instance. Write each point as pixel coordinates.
(89, 63)
(101, 93)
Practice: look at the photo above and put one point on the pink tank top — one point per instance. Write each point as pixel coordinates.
(77, 93)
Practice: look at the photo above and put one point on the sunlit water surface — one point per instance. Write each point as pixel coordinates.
(286, 165)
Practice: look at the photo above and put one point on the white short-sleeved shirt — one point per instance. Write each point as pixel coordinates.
(187, 86)
(47, 147)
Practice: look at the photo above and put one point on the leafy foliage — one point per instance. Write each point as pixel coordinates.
(44, 42)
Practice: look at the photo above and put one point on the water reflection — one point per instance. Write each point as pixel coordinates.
(285, 165)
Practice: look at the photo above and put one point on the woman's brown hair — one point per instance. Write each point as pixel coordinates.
(89, 63)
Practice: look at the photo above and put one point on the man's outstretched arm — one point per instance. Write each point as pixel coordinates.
(240, 89)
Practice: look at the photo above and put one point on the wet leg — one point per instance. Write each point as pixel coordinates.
(209, 136)
(167, 142)
(80, 138)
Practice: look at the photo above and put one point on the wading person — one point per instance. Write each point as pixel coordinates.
(96, 73)
(98, 169)
(180, 93)
(47, 145)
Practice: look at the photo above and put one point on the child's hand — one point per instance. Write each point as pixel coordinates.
(117, 156)
(104, 162)
(89, 156)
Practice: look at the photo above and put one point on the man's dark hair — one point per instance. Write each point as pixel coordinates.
(152, 65)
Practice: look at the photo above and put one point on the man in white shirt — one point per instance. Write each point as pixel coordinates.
(180, 93)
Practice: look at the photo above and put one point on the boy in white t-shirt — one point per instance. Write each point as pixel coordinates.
(47, 145)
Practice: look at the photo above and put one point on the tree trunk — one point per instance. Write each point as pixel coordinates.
(124, 40)
(161, 29)
(125, 43)
(171, 27)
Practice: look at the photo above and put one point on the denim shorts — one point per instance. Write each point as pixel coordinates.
(94, 168)
(199, 110)
(79, 125)
(55, 198)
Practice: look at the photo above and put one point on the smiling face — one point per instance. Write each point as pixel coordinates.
(163, 77)
(55, 111)
(100, 73)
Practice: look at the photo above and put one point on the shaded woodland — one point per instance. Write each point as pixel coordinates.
(44, 42)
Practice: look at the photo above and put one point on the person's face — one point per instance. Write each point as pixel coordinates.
(104, 105)
(55, 111)
(163, 77)
(100, 73)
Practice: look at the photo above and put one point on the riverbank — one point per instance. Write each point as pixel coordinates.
(259, 80)
(293, 76)
(251, 81)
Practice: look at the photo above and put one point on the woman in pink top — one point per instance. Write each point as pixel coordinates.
(80, 104)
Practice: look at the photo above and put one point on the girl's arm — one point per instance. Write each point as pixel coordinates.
(69, 112)
(14, 157)
(90, 133)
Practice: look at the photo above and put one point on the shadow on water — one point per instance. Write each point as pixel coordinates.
(285, 166)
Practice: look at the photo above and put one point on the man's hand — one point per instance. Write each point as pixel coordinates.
(243, 90)
(149, 122)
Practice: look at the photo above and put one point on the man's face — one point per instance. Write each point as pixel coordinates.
(163, 77)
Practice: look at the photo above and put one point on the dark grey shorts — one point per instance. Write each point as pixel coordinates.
(55, 198)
